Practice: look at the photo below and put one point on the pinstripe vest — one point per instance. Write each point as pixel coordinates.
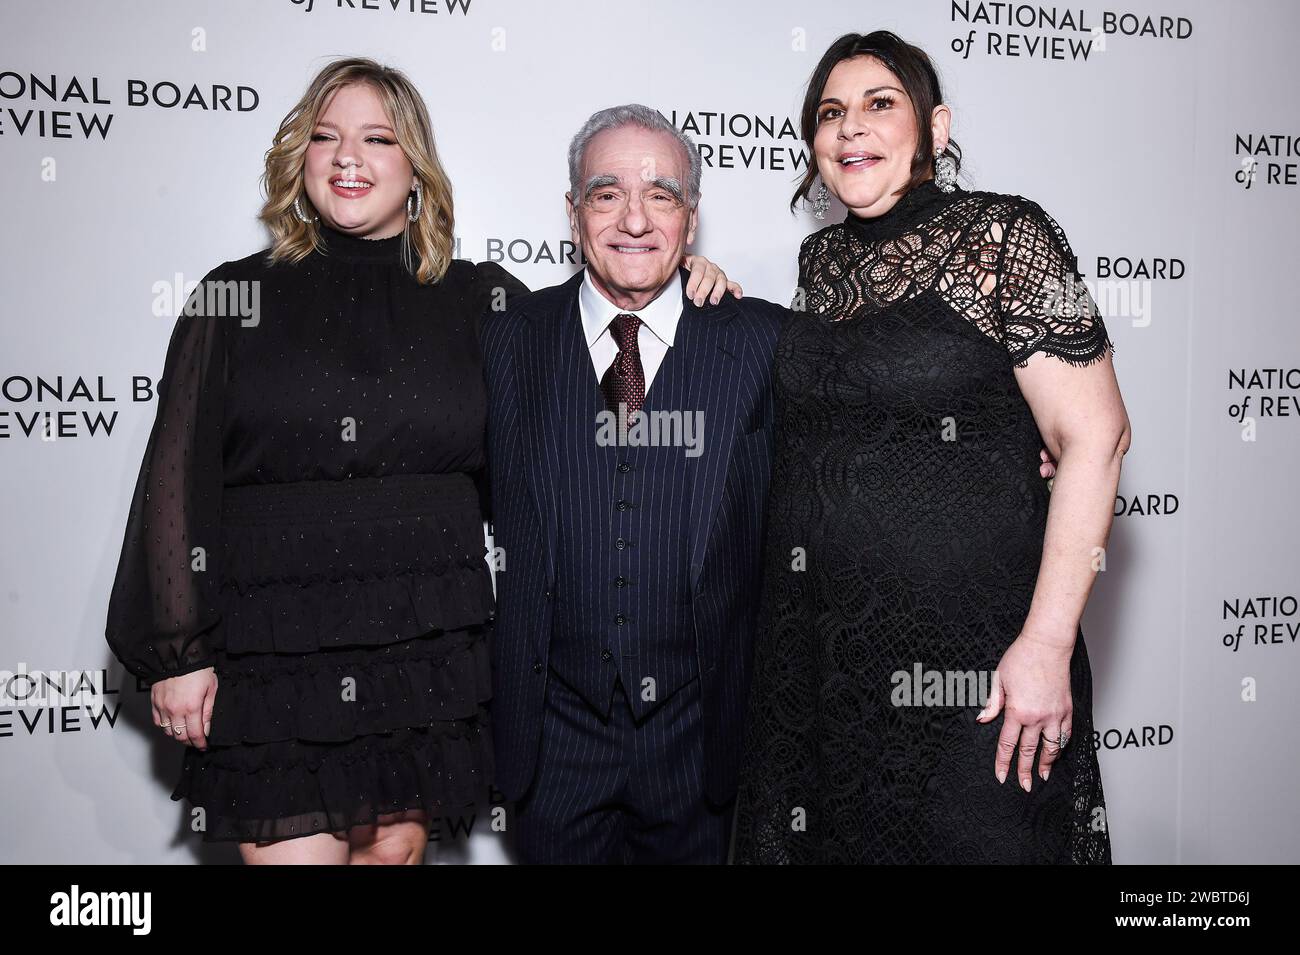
(622, 588)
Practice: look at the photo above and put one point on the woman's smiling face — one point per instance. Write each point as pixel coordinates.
(355, 172)
(866, 135)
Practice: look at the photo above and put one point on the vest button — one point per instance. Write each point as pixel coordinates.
(624, 467)
(620, 619)
(606, 655)
(537, 666)
(620, 543)
(620, 581)
(623, 505)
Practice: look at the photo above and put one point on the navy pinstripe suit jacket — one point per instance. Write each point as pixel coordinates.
(728, 348)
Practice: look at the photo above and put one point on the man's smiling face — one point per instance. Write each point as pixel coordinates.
(634, 220)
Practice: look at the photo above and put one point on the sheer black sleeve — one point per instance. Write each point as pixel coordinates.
(163, 607)
(1043, 303)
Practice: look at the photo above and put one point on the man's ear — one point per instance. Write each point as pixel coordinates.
(693, 221)
(571, 211)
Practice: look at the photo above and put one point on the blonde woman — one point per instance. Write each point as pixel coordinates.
(302, 579)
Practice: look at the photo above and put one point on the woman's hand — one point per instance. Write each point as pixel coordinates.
(182, 706)
(1032, 684)
(707, 281)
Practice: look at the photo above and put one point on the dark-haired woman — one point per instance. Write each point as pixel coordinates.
(306, 528)
(915, 559)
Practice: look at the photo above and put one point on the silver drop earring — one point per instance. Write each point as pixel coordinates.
(297, 210)
(414, 216)
(945, 171)
(821, 202)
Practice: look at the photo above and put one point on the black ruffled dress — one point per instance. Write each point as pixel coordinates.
(307, 521)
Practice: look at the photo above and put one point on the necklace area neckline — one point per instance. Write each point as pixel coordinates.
(910, 209)
(355, 248)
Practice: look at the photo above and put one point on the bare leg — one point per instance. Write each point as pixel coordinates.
(324, 848)
(395, 839)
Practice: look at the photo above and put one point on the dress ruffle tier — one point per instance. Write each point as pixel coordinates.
(354, 664)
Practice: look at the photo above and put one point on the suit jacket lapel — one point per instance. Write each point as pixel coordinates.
(713, 353)
(712, 356)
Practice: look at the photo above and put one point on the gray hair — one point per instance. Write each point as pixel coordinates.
(632, 114)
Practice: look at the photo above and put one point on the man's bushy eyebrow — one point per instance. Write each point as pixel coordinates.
(671, 185)
(596, 182)
(667, 183)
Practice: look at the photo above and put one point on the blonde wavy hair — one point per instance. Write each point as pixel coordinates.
(430, 238)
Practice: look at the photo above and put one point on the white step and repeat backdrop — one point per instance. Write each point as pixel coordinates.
(1164, 136)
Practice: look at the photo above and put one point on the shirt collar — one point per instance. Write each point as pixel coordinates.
(660, 316)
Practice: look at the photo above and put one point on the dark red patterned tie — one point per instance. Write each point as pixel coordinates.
(624, 380)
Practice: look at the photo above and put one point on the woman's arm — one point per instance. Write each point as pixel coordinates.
(162, 612)
(1062, 355)
(1082, 419)
(163, 608)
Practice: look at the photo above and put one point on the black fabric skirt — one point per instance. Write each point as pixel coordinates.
(354, 672)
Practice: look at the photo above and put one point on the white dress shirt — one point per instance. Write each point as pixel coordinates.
(654, 336)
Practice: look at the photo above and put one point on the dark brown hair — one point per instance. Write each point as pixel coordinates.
(916, 74)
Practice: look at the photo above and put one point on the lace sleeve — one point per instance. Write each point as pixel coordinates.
(1043, 303)
(163, 605)
(810, 295)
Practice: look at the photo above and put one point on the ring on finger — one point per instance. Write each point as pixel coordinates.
(1060, 740)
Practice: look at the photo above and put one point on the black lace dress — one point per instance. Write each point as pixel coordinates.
(905, 530)
(307, 521)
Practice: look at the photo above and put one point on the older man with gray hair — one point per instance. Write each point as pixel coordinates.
(629, 441)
